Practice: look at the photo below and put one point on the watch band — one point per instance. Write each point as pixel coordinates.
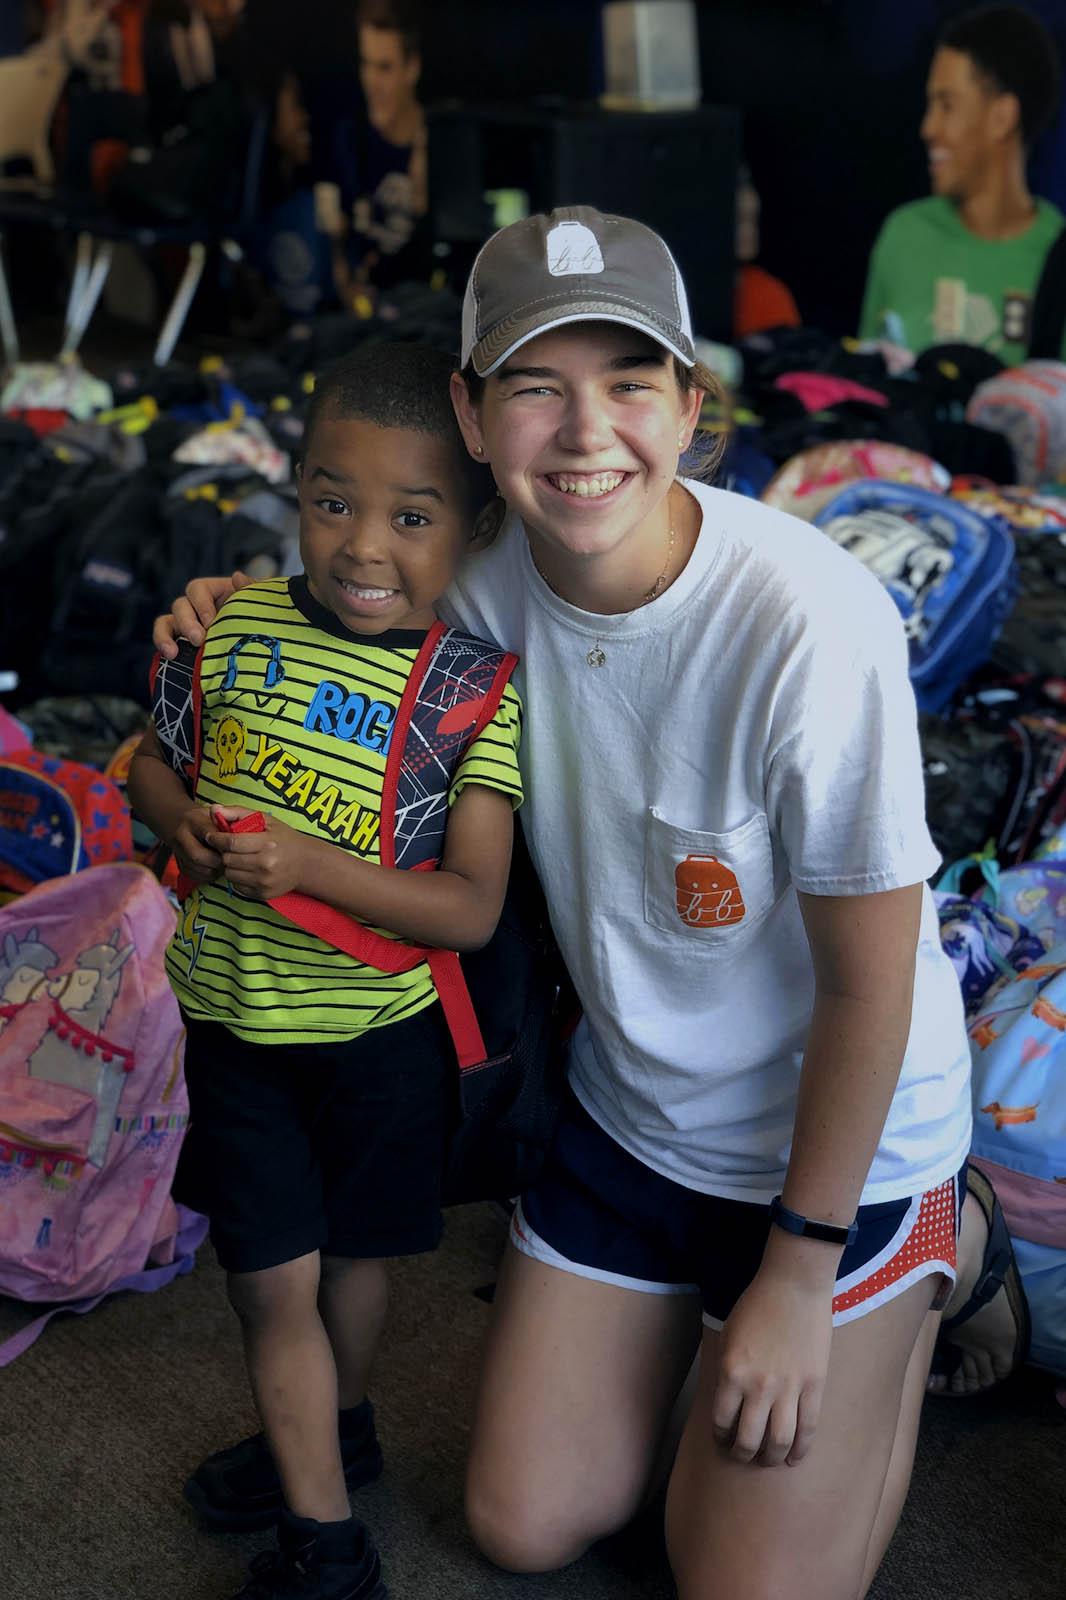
(792, 1222)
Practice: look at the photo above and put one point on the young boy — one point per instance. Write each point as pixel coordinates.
(320, 1087)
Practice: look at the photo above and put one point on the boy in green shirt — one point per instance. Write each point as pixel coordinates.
(962, 266)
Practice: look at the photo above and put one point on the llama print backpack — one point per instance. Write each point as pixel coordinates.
(93, 1107)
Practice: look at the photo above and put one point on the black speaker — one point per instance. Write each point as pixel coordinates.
(676, 171)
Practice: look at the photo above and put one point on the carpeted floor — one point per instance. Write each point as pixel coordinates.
(103, 1417)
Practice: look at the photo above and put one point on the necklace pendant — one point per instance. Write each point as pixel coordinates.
(596, 657)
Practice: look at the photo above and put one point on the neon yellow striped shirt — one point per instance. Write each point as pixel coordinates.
(297, 715)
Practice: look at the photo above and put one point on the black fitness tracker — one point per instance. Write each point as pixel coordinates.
(792, 1222)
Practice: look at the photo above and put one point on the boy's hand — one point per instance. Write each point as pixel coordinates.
(194, 855)
(194, 611)
(260, 865)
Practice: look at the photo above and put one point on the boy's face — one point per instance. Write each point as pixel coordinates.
(292, 125)
(964, 122)
(384, 521)
(388, 75)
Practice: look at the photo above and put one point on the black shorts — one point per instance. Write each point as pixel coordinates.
(596, 1211)
(335, 1147)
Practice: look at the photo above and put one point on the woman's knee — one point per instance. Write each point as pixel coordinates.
(513, 1539)
(521, 1533)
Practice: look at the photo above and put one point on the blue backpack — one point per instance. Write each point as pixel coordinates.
(951, 572)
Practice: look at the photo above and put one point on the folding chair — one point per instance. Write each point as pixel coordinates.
(30, 86)
(98, 233)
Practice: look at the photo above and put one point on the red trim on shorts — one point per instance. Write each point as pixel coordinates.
(931, 1237)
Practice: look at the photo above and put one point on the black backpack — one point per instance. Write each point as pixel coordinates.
(119, 570)
(995, 772)
(41, 498)
(1033, 637)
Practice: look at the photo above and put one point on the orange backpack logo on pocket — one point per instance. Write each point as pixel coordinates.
(708, 895)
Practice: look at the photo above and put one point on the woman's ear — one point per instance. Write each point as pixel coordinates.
(487, 524)
(691, 403)
(466, 414)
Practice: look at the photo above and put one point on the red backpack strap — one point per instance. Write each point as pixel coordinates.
(345, 933)
(327, 922)
(455, 691)
(502, 678)
(398, 744)
(458, 1008)
(387, 955)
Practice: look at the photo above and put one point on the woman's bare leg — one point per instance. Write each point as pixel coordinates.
(812, 1531)
(577, 1386)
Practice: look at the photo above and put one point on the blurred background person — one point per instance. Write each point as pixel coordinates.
(760, 300)
(963, 264)
(379, 160)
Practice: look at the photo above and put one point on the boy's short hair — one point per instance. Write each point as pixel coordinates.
(1013, 49)
(392, 16)
(399, 386)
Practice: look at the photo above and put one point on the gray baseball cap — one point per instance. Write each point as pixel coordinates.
(575, 264)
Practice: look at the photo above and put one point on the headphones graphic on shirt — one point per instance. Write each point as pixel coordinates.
(273, 673)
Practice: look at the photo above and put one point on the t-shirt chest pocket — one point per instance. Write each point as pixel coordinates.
(711, 887)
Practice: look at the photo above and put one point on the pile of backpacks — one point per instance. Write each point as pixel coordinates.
(948, 480)
(108, 504)
(93, 1108)
(115, 492)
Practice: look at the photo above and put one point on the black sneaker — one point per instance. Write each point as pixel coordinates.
(304, 1568)
(238, 1490)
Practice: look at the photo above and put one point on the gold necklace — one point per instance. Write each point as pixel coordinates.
(597, 656)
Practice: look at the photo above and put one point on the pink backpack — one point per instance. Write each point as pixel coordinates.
(809, 480)
(1028, 405)
(93, 1106)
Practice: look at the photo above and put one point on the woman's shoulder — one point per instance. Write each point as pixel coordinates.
(772, 536)
(788, 571)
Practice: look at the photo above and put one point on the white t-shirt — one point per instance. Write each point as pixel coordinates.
(752, 732)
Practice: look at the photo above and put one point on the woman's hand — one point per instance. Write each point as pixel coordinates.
(772, 1364)
(194, 612)
(195, 857)
(261, 865)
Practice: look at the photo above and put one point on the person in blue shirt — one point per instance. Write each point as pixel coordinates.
(379, 160)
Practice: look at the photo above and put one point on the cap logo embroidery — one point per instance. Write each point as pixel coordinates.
(573, 249)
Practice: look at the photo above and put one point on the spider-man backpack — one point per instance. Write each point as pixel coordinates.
(501, 1003)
